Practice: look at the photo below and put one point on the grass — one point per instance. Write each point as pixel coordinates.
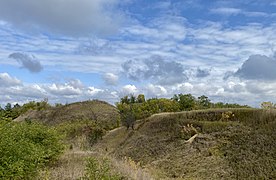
(97, 111)
(231, 144)
(81, 134)
(237, 147)
(70, 166)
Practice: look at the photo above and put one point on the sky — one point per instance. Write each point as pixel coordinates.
(76, 50)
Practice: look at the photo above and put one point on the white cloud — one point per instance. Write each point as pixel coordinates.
(7, 81)
(209, 44)
(92, 91)
(156, 91)
(256, 14)
(184, 87)
(129, 89)
(169, 28)
(75, 83)
(110, 79)
(63, 90)
(70, 17)
(226, 11)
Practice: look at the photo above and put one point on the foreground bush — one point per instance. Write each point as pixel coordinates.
(26, 147)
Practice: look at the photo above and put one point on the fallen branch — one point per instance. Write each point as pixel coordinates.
(191, 139)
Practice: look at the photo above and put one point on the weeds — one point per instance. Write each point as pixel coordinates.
(99, 169)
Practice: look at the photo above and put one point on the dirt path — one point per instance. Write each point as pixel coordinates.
(71, 165)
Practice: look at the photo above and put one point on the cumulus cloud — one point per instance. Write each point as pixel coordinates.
(156, 90)
(75, 83)
(7, 81)
(155, 68)
(27, 92)
(70, 17)
(110, 79)
(258, 67)
(129, 89)
(15, 91)
(63, 90)
(27, 61)
(92, 91)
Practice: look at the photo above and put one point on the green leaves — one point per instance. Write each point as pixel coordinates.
(99, 169)
(25, 147)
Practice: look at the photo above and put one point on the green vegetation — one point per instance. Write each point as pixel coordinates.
(186, 138)
(99, 169)
(11, 112)
(132, 108)
(81, 134)
(25, 147)
(231, 144)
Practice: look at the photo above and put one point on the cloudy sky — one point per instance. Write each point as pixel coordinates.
(76, 50)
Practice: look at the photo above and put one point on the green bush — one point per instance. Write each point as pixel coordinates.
(86, 131)
(96, 169)
(26, 147)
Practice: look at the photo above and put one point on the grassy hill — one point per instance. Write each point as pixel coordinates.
(98, 111)
(82, 123)
(202, 144)
(231, 144)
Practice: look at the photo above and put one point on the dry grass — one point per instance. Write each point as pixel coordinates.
(130, 169)
(236, 147)
(98, 111)
(70, 166)
(159, 145)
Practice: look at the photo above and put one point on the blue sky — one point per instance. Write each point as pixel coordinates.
(76, 50)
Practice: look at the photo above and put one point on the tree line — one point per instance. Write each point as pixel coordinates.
(133, 107)
(10, 112)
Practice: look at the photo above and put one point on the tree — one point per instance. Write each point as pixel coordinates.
(141, 98)
(8, 107)
(204, 101)
(127, 115)
(125, 100)
(186, 101)
(132, 99)
(267, 105)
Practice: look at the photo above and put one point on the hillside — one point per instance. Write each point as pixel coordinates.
(98, 111)
(203, 144)
(231, 144)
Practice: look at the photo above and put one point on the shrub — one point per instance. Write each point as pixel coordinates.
(227, 116)
(82, 133)
(96, 169)
(26, 147)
